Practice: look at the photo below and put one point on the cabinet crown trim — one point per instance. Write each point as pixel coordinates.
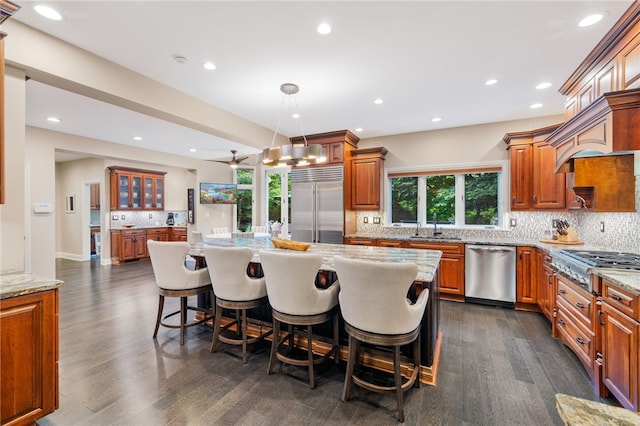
(115, 169)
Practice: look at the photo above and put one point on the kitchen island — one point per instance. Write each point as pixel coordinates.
(29, 349)
(427, 278)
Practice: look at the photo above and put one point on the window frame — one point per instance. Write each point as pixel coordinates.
(501, 167)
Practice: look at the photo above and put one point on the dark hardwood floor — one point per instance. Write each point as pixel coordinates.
(498, 367)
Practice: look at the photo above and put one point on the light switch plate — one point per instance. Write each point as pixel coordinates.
(513, 222)
(365, 219)
(114, 217)
(376, 219)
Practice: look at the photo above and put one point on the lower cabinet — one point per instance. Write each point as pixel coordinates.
(620, 352)
(131, 244)
(546, 285)
(158, 234)
(177, 234)
(360, 241)
(451, 267)
(29, 353)
(526, 275)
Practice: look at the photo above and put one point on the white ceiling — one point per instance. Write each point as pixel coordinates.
(423, 58)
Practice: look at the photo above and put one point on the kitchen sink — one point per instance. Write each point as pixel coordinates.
(433, 237)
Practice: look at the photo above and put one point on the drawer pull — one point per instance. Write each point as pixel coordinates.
(561, 291)
(579, 340)
(616, 297)
(579, 305)
(561, 322)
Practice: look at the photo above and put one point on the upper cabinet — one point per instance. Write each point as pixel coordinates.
(534, 185)
(337, 144)
(94, 196)
(366, 171)
(133, 189)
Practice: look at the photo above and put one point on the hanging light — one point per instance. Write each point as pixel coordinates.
(293, 154)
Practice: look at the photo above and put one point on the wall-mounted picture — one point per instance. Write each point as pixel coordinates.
(217, 193)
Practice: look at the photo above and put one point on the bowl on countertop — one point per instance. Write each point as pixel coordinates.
(128, 225)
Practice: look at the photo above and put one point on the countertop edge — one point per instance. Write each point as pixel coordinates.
(15, 284)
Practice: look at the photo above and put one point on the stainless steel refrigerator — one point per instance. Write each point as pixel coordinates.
(317, 201)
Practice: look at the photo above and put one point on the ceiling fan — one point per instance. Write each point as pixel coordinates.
(234, 162)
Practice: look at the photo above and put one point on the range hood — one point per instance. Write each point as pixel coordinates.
(611, 124)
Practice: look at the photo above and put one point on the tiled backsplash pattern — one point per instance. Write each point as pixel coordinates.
(622, 230)
(147, 219)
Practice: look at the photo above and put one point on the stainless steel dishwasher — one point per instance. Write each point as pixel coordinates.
(490, 275)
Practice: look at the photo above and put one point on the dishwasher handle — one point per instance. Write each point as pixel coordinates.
(491, 248)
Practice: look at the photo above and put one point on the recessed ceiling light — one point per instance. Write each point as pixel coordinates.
(47, 12)
(491, 82)
(209, 66)
(535, 106)
(180, 59)
(590, 20)
(359, 130)
(324, 28)
(192, 150)
(544, 85)
(436, 119)
(53, 119)
(295, 115)
(378, 101)
(137, 138)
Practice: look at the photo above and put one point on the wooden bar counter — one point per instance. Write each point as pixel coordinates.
(427, 278)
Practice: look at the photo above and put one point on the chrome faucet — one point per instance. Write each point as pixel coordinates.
(418, 225)
(435, 225)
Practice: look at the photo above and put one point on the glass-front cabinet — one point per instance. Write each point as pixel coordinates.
(133, 189)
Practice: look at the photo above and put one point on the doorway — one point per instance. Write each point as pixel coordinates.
(94, 238)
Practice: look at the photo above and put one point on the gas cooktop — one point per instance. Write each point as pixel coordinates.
(605, 259)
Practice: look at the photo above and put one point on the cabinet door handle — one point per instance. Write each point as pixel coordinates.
(599, 318)
(535, 200)
(579, 305)
(549, 279)
(561, 322)
(579, 340)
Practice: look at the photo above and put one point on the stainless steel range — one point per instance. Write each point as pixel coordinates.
(576, 265)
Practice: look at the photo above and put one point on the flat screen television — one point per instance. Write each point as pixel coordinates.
(217, 193)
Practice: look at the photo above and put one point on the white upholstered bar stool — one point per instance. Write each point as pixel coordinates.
(295, 300)
(234, 289)
(375, 308)
(175, 280)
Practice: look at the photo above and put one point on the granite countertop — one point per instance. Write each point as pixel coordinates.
(628, 280)
(427, 260)
(578, 411)
(17, 283)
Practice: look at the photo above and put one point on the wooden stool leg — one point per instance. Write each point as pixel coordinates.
(183, 317)
(159, 319)
(216, 328)
(244, 336)
(310, 357)
(274, 345)
(398, 381)
(348, 378)
(416, 360)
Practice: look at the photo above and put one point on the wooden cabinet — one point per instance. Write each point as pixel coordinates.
(94, 196)
(177, 234)
(366, 170)
(337, 145)
(451, 268)
(128, 244)
(534, 185)
(546, 283)
(575, 322)
(94, 230)
(390, 243)
(620, 352)
(29, 353)
(526, 275)
(158, 234)
(361, 241)
(133, 189)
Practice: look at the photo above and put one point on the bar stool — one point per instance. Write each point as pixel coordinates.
(375, 308)
(234, 290)
(175, 280)
(295, 300)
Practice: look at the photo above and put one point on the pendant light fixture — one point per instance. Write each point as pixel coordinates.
(298, 154)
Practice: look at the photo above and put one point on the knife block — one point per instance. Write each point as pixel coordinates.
(571, 236)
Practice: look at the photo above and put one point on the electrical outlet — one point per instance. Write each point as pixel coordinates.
(150, 215)
(365, 219)
(114, 217)
(122, 217)
(601, 226)
(554, 223)
(376, 220)
(513, 222)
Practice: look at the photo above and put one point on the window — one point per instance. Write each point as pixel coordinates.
(244, 198)
(278, 198)
(469, 197)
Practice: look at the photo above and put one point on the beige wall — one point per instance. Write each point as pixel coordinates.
(12, 213)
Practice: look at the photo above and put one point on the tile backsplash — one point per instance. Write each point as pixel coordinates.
(621, 230)
(147, 218)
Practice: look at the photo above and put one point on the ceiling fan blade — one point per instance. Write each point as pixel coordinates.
(240, 160)
(221, 161)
